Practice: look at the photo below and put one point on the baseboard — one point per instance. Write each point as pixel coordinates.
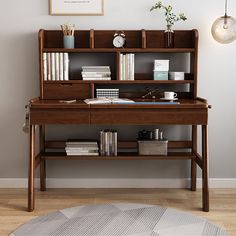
(117, 183)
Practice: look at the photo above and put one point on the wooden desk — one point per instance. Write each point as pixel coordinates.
(188, 112)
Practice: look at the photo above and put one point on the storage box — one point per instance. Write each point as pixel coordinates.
(160, 75)
(176, 75)
(107, 93)
(152, 147)
(161, 65)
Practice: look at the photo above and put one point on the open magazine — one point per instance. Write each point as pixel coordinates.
(108, 101)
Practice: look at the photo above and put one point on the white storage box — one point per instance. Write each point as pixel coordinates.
(161, 65)
(176, 75)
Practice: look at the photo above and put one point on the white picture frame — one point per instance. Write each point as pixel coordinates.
(76, 7)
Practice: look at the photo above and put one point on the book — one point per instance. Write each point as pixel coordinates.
(96, 68)
(66, 66)
(45, 66)
(53, 68)
(95, 78)
(95, 74)
(108, 101)
(57, 66)
(82, 154)
(61, 66)
(127, 66)
(49, 66)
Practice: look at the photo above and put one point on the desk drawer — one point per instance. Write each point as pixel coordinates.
(66, 90)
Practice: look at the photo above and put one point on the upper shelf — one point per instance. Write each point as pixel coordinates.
(136, 41)
(123, 50)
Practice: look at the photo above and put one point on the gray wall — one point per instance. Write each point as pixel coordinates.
(20, 22)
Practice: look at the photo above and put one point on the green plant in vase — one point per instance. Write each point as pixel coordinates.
(170, 18)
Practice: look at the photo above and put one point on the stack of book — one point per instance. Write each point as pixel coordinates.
(56, 66)
(127, 66)
(96, 73)
(108, 143)
(82, 148)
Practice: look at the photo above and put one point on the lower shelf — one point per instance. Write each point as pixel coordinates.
(121, 156)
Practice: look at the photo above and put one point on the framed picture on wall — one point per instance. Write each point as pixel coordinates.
(76, 7)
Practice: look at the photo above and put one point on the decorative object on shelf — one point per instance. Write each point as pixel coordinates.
(170, 18)
(224, 28)
(68, 35)
(119, 39)
(145, 135)
(76, 8)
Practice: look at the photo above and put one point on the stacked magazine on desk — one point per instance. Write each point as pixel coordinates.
(82, 148)
(96, 73)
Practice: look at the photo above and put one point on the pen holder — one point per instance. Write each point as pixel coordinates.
(68, 41)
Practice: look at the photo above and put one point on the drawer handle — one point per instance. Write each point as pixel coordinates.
(66, 84)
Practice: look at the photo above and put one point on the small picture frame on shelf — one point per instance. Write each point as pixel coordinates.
(76, 7)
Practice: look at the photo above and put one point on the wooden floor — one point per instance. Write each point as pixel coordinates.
(13, 203)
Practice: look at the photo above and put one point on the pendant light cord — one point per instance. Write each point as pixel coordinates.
(226, 7)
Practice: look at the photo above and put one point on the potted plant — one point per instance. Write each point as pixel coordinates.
(170, 18)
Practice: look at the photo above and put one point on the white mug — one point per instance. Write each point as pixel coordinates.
(170, 95)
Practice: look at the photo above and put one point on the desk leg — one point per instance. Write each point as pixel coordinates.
(42, 161)
(205, 190)
(193, 163)
(31, 168)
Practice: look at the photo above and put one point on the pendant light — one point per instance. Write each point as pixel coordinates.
(224, 28)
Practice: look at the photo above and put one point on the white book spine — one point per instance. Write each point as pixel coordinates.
(124, 67)
(57, 66)
(53, 68)
(132, 67)
(128, 67)
(66, 66)
(121, 66)
(49, 74)
(45, 66)
(61, 60)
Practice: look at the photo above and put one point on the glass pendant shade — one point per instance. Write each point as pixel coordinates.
(224, 29)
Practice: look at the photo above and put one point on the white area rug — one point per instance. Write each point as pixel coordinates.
(119, 219)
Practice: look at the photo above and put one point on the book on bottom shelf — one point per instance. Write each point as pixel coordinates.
(82, 148)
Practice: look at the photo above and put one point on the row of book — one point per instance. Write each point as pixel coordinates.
(96, 73)
(127, 66)
(82, 148)
(108, 143)
(56, 66)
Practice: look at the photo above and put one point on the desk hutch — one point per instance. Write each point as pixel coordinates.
(95, 47)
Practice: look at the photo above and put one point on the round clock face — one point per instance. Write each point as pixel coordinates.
(119, 41)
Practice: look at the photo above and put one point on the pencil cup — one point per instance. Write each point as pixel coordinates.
(69, 41)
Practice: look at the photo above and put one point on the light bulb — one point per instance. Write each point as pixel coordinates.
(224, 29)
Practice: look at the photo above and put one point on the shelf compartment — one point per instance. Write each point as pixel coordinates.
(182, 39)
(121, 156)
(54, 39)
(127, 144)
